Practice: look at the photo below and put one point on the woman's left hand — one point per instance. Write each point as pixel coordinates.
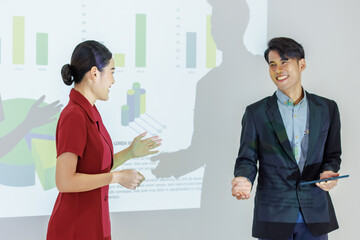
(142, 147)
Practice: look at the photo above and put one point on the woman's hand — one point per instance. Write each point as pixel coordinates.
(128, 178)
(141, 147)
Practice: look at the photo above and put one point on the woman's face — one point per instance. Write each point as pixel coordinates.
(104, 81)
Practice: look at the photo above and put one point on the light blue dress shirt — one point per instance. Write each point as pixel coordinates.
(296, 122)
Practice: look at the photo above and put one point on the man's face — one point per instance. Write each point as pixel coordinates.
(285, 73)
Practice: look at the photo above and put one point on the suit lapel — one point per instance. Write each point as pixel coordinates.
(274, 115)
(314, 125)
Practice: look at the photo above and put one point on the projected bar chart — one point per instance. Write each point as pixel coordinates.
(191, 50)
(18, 44)
(140, 40)
(18, 40)
(134, 114)
(210, 45)
(41, 48)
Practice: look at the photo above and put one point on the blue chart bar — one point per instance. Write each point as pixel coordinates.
(136, 88)
(191, 49)
(125, 115)
(131, 104)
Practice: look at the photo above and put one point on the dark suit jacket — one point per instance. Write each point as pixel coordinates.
(278, 195)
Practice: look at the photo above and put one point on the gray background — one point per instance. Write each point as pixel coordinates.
(329, 31)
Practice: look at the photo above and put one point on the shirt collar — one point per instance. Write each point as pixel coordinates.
(285, 100)
(80, 100)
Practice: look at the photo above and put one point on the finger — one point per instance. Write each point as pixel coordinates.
(147, 141)
(241, 196)
(321, 186)
(140, 136)
(155, 142)
(154, 146)
(152, 152)
(234, 192)
(152, 138)
(140, 176)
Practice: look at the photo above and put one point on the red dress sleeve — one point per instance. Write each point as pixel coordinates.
(71, 133)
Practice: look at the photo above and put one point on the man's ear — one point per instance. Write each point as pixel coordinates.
(302, 64)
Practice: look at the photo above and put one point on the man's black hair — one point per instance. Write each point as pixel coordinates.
(286, 47)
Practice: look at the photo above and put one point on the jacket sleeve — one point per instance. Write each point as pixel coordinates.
(332, 151)
(246, 161)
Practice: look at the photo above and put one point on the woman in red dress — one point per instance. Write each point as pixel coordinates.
(85, 152)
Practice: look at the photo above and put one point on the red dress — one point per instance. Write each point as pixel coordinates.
(82, 215)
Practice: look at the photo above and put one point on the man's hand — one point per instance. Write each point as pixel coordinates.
(328, 185)
(241, 188)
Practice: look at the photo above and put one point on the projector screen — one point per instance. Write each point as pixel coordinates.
(160, 54)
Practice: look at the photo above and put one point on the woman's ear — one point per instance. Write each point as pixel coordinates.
(94, 73)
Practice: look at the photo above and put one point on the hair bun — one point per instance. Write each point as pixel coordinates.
(67, 75)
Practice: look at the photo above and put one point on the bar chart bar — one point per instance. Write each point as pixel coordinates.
(18, 40)
(136, 87)
(140, 41)
(191, 50)
(41, 49)
(119, 59)
(142, 101)
(125, 115)
(210, 45)
(131, 104)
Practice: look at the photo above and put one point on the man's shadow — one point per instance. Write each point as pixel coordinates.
(221, 98)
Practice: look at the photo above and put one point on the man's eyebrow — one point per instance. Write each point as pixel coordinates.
(282, 59)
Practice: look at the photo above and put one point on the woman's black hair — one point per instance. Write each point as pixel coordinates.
(286, 47)
(85, 56)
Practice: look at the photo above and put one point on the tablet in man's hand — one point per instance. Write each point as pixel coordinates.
(324, 180)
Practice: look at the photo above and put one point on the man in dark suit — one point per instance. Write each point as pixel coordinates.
(295, 137)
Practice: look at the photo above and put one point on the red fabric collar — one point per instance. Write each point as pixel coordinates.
(90, 110)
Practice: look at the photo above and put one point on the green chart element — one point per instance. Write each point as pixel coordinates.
(44, 153)
(19, 40)
(140, 40)
(119, 59)
(34, 153)
(41, 49)
(210, 45)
